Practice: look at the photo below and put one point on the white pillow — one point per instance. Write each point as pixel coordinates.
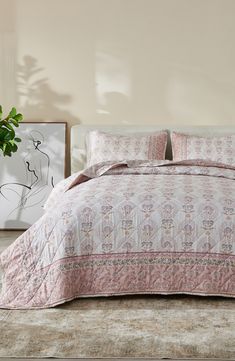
(215, 148)
(103, 146)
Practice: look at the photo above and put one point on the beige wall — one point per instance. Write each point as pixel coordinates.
(119, 61)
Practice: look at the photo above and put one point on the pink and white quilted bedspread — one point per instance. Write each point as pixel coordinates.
(130, 228)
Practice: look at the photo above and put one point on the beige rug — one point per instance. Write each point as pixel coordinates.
(153, 326)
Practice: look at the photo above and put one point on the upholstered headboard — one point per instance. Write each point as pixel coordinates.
(79, 132)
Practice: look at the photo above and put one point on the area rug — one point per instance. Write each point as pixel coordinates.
(140, 326)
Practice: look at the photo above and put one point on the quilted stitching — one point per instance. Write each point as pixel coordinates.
(175, 235)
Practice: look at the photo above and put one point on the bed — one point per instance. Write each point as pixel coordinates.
(128, 227)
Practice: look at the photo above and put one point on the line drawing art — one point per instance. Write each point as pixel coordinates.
(37, 177)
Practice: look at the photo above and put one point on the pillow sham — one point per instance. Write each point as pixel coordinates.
(103, 146)
(216, 148)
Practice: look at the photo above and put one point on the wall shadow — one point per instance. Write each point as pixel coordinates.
(39, 101)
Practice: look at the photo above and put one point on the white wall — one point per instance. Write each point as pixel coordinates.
(119, 61)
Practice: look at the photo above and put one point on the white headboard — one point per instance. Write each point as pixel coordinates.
(78, 137)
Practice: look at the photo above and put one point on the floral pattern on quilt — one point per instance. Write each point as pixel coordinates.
(128, 228)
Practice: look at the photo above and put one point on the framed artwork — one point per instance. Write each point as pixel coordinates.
(28, 177)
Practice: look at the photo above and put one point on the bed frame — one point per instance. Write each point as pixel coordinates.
(79, 132)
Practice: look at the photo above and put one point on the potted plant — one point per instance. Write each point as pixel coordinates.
(8, 137)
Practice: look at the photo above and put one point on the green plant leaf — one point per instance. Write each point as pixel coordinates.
(4, 147)
(3, 134)
(18, 117)
(12, 113)
(7, 150)
(14, 148)
(9, 126)
(15, 122)
(9, 136)
(3, 130)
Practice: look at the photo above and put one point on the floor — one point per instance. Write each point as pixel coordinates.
(106, 359)
(6, 238)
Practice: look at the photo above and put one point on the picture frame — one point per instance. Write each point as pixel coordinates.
(30, 174)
